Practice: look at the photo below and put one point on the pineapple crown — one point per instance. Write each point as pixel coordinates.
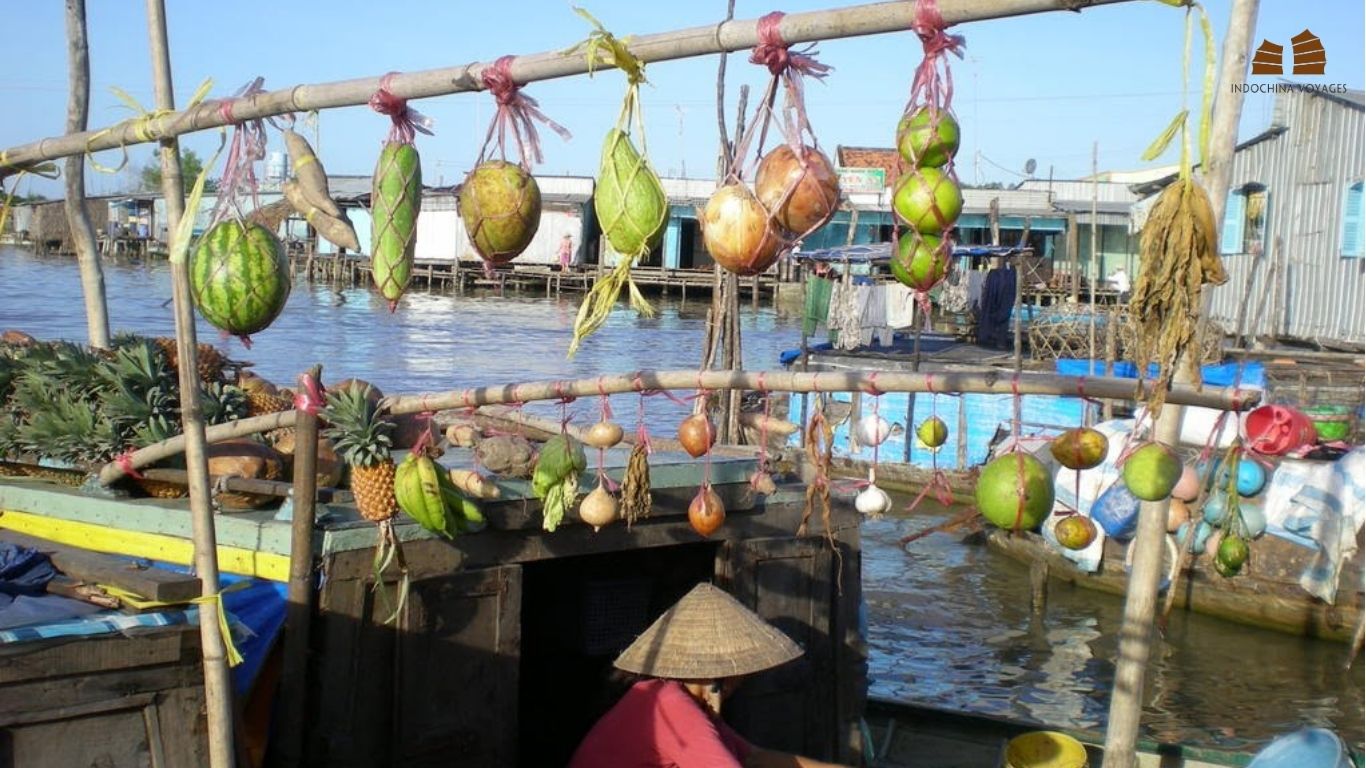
(357, 429)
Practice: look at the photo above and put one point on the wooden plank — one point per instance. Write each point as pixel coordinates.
(171, 549)
(88, 656)
(154, 583)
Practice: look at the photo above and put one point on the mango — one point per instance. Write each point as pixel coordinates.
(1080, 448)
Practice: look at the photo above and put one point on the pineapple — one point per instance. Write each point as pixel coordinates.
(363, 437)
(262, 396)
(210, 360)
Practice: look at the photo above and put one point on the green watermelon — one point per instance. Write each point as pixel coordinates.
(239, 277)
(395, 202)
(500, 204)
(919, 262)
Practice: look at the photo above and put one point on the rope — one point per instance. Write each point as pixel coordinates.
(516, 111)
(407, 122)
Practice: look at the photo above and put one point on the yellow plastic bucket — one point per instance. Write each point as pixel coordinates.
(1045, 749)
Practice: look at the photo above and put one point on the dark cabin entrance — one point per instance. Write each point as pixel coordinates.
(578, 613)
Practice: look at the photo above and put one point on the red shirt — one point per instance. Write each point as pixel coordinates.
(657, 724)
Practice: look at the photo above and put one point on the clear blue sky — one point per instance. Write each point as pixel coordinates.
(1041, 87)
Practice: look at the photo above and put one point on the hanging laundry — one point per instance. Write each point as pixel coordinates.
(998, 299)
(976, 279)
(873, 322)
(817, 308)
(847, 304)
(900, 306)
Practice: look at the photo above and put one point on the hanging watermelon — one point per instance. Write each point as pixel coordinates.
(239, 277)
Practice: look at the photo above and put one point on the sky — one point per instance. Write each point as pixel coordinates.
(1041, 87)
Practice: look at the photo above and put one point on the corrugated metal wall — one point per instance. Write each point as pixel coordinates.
(1301, 286)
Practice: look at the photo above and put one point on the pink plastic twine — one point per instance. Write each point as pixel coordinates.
(309, 398)
(248, 145)
(777, 55)
(517, 111)
(407, 121)
(125, 463)
(933, 81)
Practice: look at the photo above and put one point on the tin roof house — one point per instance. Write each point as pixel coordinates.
(1292, 236)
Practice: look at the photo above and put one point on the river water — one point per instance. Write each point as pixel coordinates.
(949, 625)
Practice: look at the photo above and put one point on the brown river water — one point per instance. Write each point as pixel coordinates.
(949, 625)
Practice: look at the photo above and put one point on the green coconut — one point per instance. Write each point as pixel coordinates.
(1151, 472)
(1015, 491)
(239, 277)
(927, 139)
(922, 192)
(500, 204)
(920, 261)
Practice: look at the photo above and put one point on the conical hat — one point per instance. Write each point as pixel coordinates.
(706, 635)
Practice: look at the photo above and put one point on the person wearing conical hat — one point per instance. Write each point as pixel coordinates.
(692, 658)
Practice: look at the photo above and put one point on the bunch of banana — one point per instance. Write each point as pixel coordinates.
(426, 492)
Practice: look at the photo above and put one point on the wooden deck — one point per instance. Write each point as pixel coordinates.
(462, 276)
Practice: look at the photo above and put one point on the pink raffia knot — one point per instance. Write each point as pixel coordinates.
(248, 146)
(125, 463)
(517, 111)
(777, 54)
(309, 398)
(929, 85)
(407, 121)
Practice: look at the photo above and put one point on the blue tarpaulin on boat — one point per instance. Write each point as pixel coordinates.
(1248, 374)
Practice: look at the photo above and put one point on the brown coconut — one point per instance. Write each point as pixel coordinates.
(247, 459)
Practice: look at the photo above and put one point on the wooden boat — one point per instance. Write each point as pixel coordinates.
(900, 735)
(1265, 594)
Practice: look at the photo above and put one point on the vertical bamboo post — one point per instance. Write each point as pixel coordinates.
(1140, 602)
(1074, 254)
(1095, 252)
(291, 735)
(217, 684)
(77, 217)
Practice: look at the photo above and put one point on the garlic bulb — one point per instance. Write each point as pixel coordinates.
(873, 430)
(873, 501)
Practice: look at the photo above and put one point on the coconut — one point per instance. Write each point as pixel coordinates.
(1152, 471)
(500, 204)
(737, 232)
(921, 261)
(814, 184)
(922, 192)
(1015, 491)
(927, 138)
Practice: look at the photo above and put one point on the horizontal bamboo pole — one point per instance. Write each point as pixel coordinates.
(999, 383)
(215, 434)
(244, 484)
(724, 37)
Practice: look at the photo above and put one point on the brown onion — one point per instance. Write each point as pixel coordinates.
(737, 232)
(706, 513)
(697, 434)
(815, 193)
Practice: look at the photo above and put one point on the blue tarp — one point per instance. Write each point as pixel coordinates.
(1249, 374)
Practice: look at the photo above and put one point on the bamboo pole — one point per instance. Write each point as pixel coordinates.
(773, 381)
(853, 21)
(1140, 602)
(217, 684)
(1095, 252)
(77, 217)
(291, 735)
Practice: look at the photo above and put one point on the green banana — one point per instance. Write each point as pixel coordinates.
(439, 514)
(418, 490)
(465, 512)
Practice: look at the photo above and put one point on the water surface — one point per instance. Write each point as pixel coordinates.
(949, 624)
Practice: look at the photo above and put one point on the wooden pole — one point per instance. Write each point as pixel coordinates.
(217, 683)
(1074, 254)
(77, 218)
(775, 381)
(291, 735)
(1140, 603)
(1095, 252)
(737, 35)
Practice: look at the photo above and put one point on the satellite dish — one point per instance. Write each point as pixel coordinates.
(1030, 165)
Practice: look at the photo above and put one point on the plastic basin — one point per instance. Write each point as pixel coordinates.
(1274, 430)
(1302, 749)
(1045, 749)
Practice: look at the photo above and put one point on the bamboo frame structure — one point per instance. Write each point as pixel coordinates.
(1002, 383)
(217, 681)
(724, 37)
